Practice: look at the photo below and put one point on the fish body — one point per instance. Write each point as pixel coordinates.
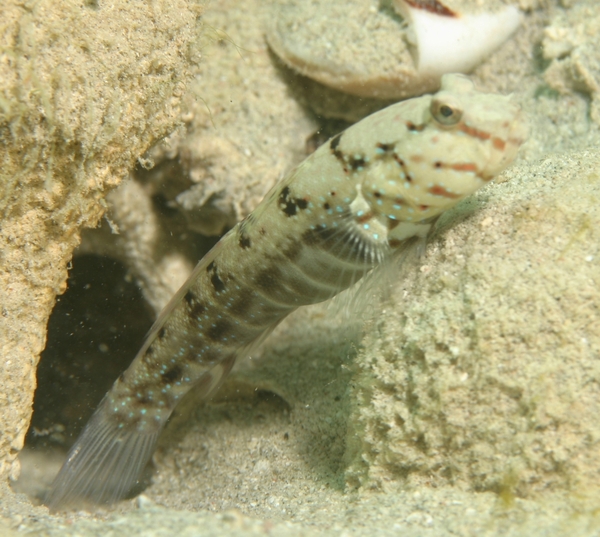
(341, 213)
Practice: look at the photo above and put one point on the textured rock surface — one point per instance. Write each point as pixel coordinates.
(572, 46)
(484, 370)
(85, 88)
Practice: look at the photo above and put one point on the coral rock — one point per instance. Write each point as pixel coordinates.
(85, 88)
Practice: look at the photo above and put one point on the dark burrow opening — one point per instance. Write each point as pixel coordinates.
(95, 330)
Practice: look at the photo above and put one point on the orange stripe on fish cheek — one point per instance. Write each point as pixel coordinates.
(475, 133)
(464, 167)
(438, 190)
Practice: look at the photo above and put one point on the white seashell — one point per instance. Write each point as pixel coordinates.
(448, 42)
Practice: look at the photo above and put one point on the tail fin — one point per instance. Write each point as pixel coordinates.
(103, 465)
(108, 457)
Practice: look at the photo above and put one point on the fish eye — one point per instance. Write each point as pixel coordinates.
(445, 111)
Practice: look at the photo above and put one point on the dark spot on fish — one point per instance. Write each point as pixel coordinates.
(302, 203)
(268, 279)
(270, 283)
(242, 303)
(287, 206)
(318, 235)
(219, 330)
(414, 128)
(357, 163)
(144, 399)
(326, 206)
(290, 205)
(217, 283)
(292, 251)
(150, 350)
(244, 241)
(348, 162)
(386, 148)
(196, 308)
(172, 374)
(161, 333)
(289, 209)
(333, 146)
